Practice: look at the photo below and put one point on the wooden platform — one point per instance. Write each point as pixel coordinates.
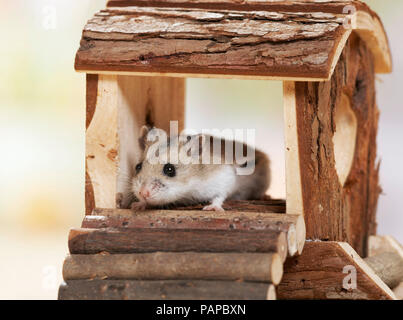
(239, 216)
(182, 252)
(187, 253)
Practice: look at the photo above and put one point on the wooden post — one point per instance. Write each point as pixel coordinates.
(91, 102)
(333, 183)
(117, 107)
(102, 142)
(294, 203)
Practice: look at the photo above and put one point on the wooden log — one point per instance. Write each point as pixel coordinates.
(163, 290)
(273, 41)
(271, 293)
(209, 42)
(364, 21)
(295, 237)
(398, 291)
(92, 241)
(292, 225)
(388, 266)
(382, 244)
(258, 206)
(328, 6)
(331, 270)
(333, 183)
(255, 267)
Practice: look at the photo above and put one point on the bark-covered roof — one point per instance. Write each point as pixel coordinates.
(287, 40)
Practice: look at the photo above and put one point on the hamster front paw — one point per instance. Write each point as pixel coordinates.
(139, 206)
(213, 207)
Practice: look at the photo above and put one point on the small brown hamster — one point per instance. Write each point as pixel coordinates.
(160, 179)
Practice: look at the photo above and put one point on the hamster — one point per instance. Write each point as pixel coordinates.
(159, 179)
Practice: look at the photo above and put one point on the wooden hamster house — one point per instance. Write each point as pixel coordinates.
(137, 55)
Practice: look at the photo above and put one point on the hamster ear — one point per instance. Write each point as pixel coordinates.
(143, 137)
(149, 135)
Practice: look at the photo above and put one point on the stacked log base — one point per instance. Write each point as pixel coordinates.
(184, 253)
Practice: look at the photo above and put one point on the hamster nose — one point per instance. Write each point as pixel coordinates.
(145, 193)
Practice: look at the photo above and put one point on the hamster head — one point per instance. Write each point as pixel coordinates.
(159, 177)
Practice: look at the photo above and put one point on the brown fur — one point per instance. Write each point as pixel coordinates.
(199, 182)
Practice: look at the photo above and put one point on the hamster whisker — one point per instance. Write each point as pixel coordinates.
(125, 178)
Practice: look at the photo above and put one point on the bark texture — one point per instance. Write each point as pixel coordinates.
(332, 211)
(331, 6)
(91, 241)
(212, 41)
(242, 215)
(265, 39)
(175, 266)
(163, 290)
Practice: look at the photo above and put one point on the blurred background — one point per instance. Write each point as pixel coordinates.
(42, 128)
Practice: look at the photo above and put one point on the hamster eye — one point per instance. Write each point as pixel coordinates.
(138, 167)
(169, 170)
